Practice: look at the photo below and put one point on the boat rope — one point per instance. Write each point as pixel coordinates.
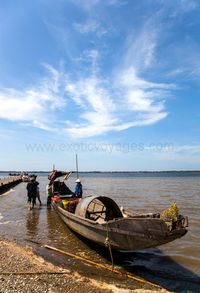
(107, 244)
(103, 266)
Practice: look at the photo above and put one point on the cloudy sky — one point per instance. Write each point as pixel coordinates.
(116, 81)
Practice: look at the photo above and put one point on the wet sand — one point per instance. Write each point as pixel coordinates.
(23, 271)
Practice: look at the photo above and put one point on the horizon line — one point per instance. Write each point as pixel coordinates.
(96, 171)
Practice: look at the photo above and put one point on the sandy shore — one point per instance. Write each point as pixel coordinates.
(22, 271)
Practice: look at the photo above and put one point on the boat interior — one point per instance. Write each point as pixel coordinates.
(59, 187)
(99, 209)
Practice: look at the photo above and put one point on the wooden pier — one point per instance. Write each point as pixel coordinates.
(8, 182)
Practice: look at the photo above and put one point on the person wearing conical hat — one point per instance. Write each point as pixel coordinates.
(78, 188)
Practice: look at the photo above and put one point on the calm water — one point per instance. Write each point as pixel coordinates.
(175, 266)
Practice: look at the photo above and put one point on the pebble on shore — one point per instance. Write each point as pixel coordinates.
(22, 271)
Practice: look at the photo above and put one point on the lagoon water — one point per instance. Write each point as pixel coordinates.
(175, 266)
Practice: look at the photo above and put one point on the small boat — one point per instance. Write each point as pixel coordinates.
(14, 174)
(99, 219)
(25, 178)
(56, 186)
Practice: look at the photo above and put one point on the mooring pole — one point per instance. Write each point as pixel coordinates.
(77, 175)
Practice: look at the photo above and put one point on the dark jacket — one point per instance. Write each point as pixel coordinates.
(32, 188)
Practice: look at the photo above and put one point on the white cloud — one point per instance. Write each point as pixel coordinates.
(100, 105)
(87, 27)
(187, 149)
(140, 47)
(97, 108)
(142, 120)
(116, 2)
(35, 104)
(176, 72)
(189, 5)
(86, 5)
(183, 6)
(187, 154)
(104, 108)
(93, 56)
(129, 78)
(90, 26)
(145, 99)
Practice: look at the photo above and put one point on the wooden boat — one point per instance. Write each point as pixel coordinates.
(99, 219)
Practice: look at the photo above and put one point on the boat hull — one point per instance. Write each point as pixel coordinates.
(123, 233)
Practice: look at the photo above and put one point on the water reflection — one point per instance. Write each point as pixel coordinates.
(32, 222)
(159, 268)
(51, 225)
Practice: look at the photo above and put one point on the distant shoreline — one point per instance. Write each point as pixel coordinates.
(133, 172)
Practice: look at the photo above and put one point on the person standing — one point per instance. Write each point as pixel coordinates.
(38, 194)
(32, 192)
(78, 188)
(38, 190)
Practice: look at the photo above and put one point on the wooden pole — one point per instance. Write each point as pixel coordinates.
(102, 266)
(77, 175)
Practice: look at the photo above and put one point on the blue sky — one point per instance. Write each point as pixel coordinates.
(116, 81)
